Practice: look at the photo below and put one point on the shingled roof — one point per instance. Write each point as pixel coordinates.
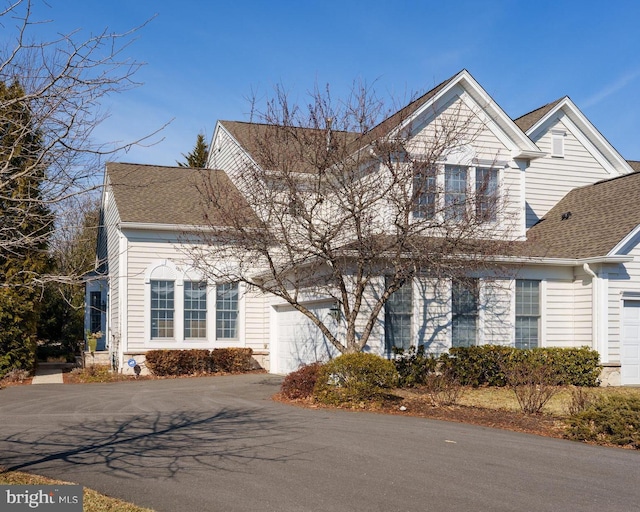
(273, 146)
(276, 147)
(528, 120)
(589, 221)
(151, 194)
(634, 164)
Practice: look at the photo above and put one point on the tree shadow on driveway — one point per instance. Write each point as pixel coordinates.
(157, 445)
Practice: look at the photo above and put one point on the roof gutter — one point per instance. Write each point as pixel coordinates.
(565, 262)
(152, 226)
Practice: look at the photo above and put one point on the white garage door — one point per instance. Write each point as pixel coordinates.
(630, 358)
(298, 340)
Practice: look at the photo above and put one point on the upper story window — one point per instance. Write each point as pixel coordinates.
(455, 192)
(458, 184)
(486, 194)
(557, 143)
(162, 309)
(424, 193)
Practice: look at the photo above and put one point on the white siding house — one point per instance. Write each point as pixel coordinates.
(569, 206)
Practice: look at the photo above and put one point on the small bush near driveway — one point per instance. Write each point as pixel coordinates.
(301, 383)
(355, 378)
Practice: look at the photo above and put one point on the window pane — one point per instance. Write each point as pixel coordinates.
(227, 310)
(455, 191)
(486, 194)
(424, 193)
(95, 313)
(195, 309)
(464, 312)
(162, 309)
(397, 318)
(527, 313)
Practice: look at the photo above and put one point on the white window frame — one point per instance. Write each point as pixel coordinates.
(470, 192)
(539, 315)
(166, 270)
(188, 284)
(478, 321)
(407, 289)
(479, 197)
(163, 270)
(237, 311)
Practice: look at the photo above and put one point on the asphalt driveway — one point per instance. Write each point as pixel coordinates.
(220, 444)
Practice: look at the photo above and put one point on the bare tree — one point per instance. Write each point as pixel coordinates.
(349, 208)
(52, 92)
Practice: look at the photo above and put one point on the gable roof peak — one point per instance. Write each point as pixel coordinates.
(527, 120)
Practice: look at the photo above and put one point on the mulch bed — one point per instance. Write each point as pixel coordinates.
(541, 424)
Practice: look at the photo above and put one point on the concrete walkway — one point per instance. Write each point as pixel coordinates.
(48, 374)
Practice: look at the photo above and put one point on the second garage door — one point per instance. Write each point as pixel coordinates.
(298, 340)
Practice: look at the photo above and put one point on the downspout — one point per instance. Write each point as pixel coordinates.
(595, 313)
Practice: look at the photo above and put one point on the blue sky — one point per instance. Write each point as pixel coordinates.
(205, 58)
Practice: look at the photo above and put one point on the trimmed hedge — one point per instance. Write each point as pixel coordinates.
(232, 360)
(354, 378)
(199, 361)
(414, 367)
(179, 362)
(487, 365)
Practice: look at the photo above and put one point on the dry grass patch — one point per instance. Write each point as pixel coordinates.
(92, 500)
(503, 398)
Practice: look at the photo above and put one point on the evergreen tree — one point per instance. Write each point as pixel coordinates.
(198, 157)
(24, 216)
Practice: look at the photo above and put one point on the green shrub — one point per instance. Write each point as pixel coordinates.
(16, 353)
(486, 364)
(576, 366)
(414, 366)
(300, 384)
(179, 362)
(613, 419)
(232, 360)
(479, 365)
(354, 378)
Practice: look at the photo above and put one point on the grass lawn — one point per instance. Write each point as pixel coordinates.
(504, 398)
(92, 500)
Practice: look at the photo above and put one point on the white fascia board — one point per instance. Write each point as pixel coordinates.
(212, 144)
(632, 239)
(483, 105)
(587, 134)
(499, 116)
